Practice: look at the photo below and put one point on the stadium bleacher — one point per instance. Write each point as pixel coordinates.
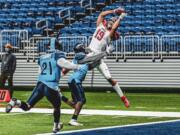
(158, 17)
(144, 17)
(78, 18)
(24, 14)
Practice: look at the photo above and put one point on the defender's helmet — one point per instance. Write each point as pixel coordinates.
(79, 48)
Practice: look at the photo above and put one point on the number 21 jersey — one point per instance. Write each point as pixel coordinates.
(100, 39)
(50, 72)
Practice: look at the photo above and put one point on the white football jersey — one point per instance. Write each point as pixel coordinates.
(100, 40)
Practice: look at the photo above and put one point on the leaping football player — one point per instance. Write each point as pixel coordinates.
(102, 37)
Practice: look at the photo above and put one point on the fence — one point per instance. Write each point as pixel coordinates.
(141, 46)
(69, 42)
(18, 38)
(170, 46)
(38, 45)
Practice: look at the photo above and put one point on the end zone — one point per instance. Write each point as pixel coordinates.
(152, 128)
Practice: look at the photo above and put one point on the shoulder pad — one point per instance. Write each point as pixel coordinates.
(59, 54)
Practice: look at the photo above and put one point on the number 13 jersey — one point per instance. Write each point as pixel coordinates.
(50, 71)
(101, 38)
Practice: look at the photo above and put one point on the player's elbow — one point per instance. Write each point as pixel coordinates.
(102, 14)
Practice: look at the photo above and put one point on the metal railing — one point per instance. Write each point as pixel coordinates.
(86, 4)
(141, 46)
(17, 38)
(39, 45)
(170, 46)
(69, 43)
(65, 13)
(136, 46)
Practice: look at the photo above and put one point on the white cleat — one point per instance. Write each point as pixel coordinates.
(57, 127)
(74, 123)
(10, 105)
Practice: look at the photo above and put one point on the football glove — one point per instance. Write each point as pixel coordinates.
(110, 49)
(119, 11)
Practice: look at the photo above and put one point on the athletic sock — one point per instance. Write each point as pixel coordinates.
(74, 117)
(56, 115)
(118, 90)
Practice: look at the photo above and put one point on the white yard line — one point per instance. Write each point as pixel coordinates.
(103, 112)
(102, 128)
(11, 114)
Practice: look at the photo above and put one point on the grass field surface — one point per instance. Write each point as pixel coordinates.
(28, 123)
(111, 101)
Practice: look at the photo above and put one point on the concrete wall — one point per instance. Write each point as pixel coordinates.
(133, 73)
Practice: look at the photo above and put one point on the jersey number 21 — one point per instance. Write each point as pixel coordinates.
(46, 68)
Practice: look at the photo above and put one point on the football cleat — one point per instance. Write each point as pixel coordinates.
(125, 101)
(57, 127)
(73, 122)
(10, 105)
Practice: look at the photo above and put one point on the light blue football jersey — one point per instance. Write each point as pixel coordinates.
(50, 71)
(80, 74)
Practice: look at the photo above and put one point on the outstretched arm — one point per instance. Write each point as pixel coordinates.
(93, 58)
(66, 64)
(116, 24)
(102, 15)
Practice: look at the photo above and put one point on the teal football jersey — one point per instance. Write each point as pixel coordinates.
(50, 71)
(80, 74)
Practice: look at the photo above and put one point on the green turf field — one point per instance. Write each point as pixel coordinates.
(103, 100)
(28, 124)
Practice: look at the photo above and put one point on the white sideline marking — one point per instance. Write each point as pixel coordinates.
(101, 128)
(104, 112)
(11, 114)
